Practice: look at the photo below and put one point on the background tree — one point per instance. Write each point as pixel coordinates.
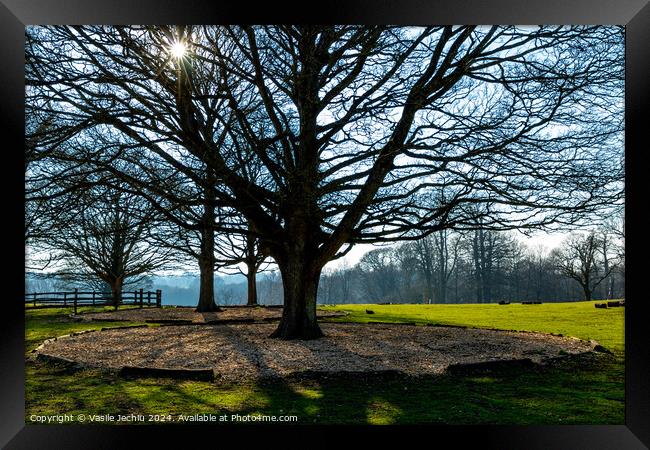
(380, 274)
(53, 188)
(436, 256)
(613, 234)
(579, 258)
(489, 253)
(188, 214)
(605, 253)
(538, 268)
(235, 251)
(344, 277)
(106, 241)
(189, 219)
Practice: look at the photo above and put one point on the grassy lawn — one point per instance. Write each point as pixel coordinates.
(46, 323)
(587, 390)
(578, 319)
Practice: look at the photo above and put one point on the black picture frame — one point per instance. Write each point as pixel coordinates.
(16, 14)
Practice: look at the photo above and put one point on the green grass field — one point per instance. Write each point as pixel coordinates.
(586, 390)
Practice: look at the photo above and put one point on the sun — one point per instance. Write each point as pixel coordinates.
(178, 50)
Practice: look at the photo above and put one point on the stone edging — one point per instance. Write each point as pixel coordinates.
(77, 333)
(185, 374)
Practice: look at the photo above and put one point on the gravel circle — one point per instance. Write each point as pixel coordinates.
(238, 352)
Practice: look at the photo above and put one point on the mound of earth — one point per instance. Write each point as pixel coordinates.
(240, 352)
(189, 315)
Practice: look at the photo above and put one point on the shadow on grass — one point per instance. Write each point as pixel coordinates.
(587, 391)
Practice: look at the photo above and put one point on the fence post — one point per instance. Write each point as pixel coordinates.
(65, 299)
(148, 298)
(34, 300)
(76, 296)
(158, 298)
(141, 297)
(93, 298)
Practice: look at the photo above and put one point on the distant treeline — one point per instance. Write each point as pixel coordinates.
(482, 267)
(445, 267)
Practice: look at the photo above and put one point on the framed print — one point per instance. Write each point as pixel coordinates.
(396, 217)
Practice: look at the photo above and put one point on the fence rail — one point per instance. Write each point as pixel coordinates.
(77, 298)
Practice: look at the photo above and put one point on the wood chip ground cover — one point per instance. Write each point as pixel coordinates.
(242, 352)
(168, 314)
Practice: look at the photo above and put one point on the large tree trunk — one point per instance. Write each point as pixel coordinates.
(206, 257)
(116, 292)
(252, 286)
(206, 287)
(206, 269)
(587, 292)
(251, 270)
(300, 284)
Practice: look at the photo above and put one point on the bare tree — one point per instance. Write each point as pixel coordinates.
(613, 233)
(327, 284)
(272, 287)
(53, 188)
(537, 268)
(578, 259)
(236, 250)
(344, 277)
(489, 251)
(106, 241)
(380, 275)
(437, 255)
(356, 127)
(188, 214)
(191, 221)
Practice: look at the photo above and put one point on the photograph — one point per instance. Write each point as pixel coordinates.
(300, 225)
(469, 177)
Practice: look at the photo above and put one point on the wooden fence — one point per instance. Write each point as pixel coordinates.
(92, 298)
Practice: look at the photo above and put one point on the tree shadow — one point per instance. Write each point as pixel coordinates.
(320, 396)
(280, 395)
